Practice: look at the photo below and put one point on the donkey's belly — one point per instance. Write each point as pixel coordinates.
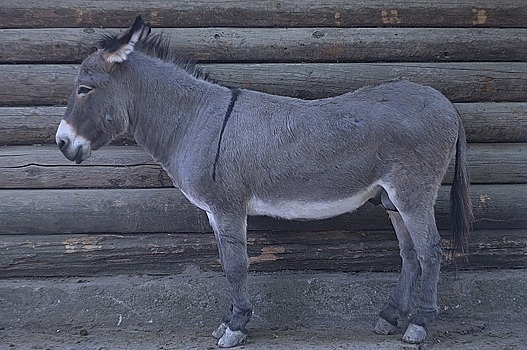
(305, 209)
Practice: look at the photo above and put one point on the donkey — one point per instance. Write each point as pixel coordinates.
(235, 152)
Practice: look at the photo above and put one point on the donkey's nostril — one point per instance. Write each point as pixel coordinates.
(63, 143)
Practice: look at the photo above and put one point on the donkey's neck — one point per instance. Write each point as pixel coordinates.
(166, 101)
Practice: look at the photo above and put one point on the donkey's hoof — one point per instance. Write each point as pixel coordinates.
(414, 334)
(231, 338)
(220, 331)
(384, 327)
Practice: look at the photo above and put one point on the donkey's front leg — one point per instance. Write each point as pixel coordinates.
(230, 230)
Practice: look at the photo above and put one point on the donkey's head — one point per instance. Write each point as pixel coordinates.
(97, 107)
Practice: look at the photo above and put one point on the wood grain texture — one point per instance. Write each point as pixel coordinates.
(166, 210)
(117, 213)
(484, 122)
(283, 45)
(28, 85)
(494, 122)
(460, 82)
(169, 253)
(266, 13)
(44, 167)
(112, 167)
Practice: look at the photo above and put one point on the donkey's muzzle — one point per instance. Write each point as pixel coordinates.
(70, 151)
(73, 146)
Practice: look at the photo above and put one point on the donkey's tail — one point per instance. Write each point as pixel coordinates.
(460, 204)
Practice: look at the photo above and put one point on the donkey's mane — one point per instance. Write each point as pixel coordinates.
(158, 46)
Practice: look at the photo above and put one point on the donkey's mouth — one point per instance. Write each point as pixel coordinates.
(78, 157)
(82, 154)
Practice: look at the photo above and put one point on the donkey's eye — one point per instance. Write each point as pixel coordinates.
(83, 90)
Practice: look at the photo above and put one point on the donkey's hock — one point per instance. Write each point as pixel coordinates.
(237, 152)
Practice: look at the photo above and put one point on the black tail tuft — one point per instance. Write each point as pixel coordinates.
(460, 203)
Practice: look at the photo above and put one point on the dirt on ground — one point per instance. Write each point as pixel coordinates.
(292, 310)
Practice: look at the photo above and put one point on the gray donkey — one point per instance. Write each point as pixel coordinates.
(236, 152)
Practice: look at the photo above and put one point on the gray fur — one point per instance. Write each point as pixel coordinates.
(280, 156)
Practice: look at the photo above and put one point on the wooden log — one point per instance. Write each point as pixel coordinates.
(284, 45)
(105, 254)
(158, 253)
(461, 82)
(374, 250)
(131, 167)
(36, 84)
(484, 122)
(112, 167)
(266, 13)
(494, 122)
(167, 211)
(486, 161)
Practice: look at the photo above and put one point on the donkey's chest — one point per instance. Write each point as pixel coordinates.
(196, 200)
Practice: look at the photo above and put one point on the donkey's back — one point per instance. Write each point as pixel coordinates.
(320, 158)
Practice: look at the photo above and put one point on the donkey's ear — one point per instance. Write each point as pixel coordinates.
(117, 48)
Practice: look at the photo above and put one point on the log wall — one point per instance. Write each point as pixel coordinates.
(118, 213)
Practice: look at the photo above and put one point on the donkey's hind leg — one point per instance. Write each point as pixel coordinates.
(399, 305)
(427, 244)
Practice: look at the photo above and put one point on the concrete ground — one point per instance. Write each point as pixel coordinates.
(292, 310)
